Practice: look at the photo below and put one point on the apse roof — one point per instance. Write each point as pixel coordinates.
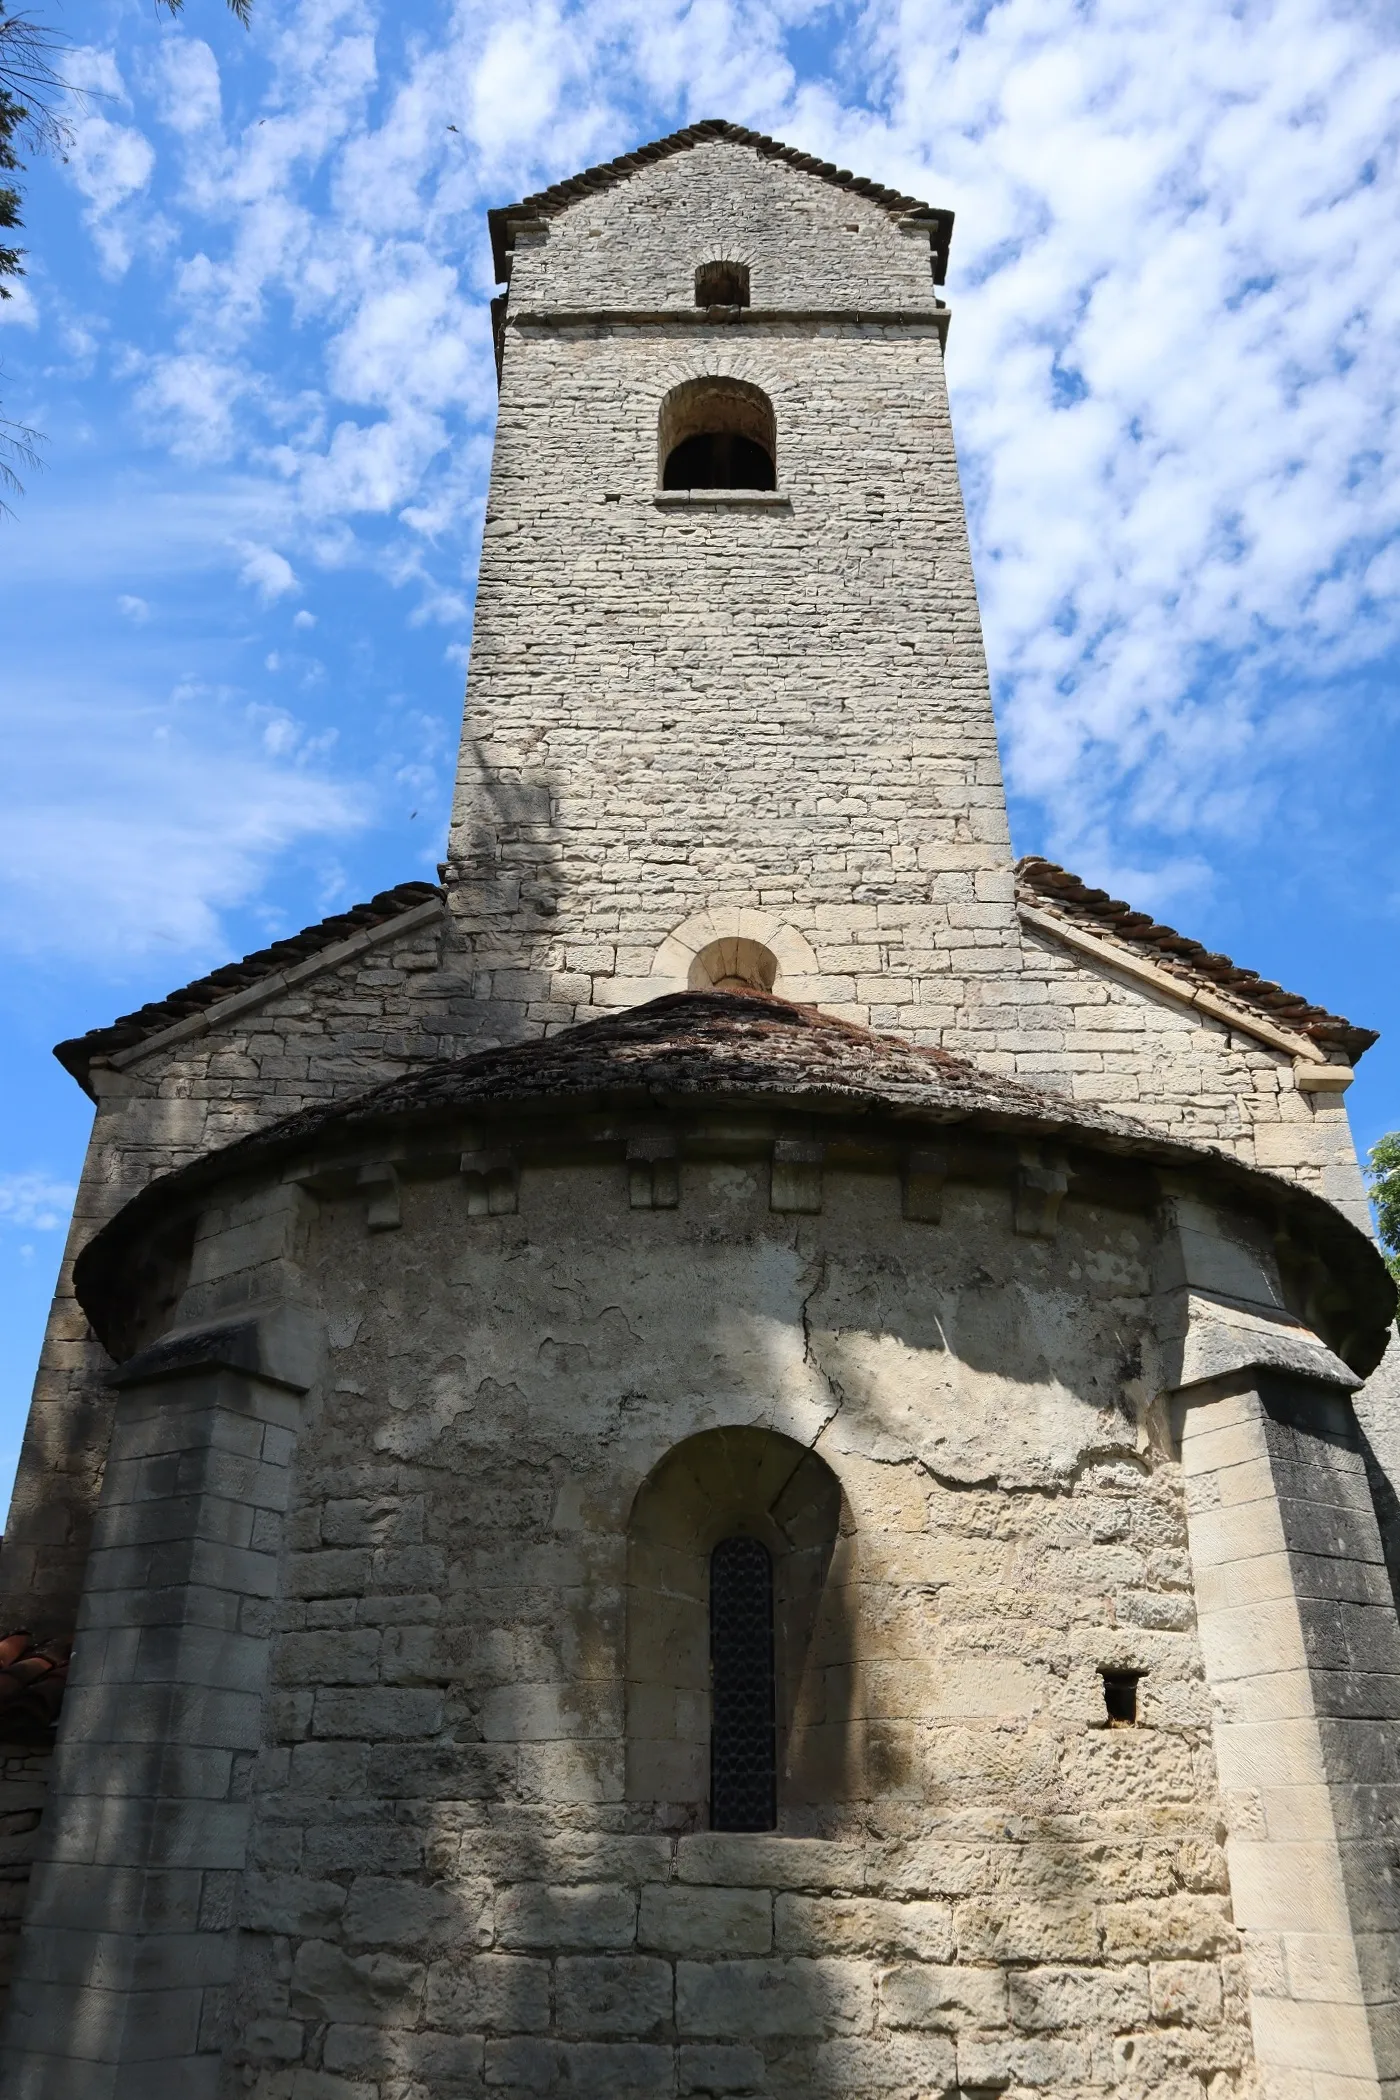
(1042, 883)
(743, 1051)
(545, 203)
(707, 1045)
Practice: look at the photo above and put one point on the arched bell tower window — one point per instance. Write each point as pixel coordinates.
(743, 1716)
(717, 434)
(722, 284)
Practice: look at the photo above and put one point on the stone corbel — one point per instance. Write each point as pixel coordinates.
(796, 1176)
(925, 1172)
(1205, 1339)
(383, 1213)
(653, 1177)
(1321, 1079)
(491, 1180)
(1041, 1182)
(280, 1345)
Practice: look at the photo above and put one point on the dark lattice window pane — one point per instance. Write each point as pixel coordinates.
(743, 1751)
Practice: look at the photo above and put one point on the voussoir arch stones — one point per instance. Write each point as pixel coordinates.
(720, 942)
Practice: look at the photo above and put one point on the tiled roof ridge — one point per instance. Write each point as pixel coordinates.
(77, 1053)
(1044, 882)
(608, 173)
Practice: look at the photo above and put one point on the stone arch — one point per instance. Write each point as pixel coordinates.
(716, 432)
(733, 941)
(719, 1485)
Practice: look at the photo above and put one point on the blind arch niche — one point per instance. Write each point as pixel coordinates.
(717, 434)
(709, 1503)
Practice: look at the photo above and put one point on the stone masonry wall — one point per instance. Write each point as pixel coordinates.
(338, 1032)
(450, 1888)
(24, 1784)
(1064, 1023)
(807, 243)
(733, 703)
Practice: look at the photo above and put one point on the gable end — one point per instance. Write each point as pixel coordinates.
(544, 204)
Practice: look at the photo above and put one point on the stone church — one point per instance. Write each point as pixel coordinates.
(732, 1454)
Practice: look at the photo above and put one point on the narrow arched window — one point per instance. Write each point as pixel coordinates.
(717, 434)
(743, 1742)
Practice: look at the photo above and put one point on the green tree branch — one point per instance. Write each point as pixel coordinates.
(1383, 1173)
(31, 101)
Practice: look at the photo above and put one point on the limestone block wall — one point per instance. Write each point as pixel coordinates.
(24, 1785)
(1301, 1647)
(1062, 1023)
(453, 1880)
(712, 706)
(807, 243)
(203, 1084)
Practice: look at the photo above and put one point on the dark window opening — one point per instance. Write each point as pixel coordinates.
(743, 1736)
(1120, 1697)
(722, 284)
(719, 459)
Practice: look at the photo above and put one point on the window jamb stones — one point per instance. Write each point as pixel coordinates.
(720, 1485)
(723, 925)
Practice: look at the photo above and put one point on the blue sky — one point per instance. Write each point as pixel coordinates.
(236, 601)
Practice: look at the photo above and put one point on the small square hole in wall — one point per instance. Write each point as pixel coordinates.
(1120, 1697)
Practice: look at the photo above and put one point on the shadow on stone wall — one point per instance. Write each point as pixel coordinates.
(505, 887)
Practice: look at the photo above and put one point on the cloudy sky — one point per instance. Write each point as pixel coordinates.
(236, 601)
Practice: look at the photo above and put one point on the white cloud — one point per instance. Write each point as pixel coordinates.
(134, 609)
(188, 84)
(108, 162)
(1173, 356)
(20, 309)
(190, 402)
(303, 619)
(266, 571)
(35, 1201)
(181, 812)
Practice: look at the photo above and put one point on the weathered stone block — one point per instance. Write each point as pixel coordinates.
(566, 1918)
(743, 1999)
(716, 2067)
(499, 1993)
(695, 1921)
(614, 1995)
(930, 1995)
(864, 1925)
(328, 1984)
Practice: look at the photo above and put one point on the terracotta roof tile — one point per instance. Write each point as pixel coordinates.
(559, 195)
(77, 1054)
(1049, 887)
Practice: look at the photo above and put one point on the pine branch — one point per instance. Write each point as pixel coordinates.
(242, 8)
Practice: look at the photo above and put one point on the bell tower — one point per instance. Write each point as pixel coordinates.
(727, 712)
